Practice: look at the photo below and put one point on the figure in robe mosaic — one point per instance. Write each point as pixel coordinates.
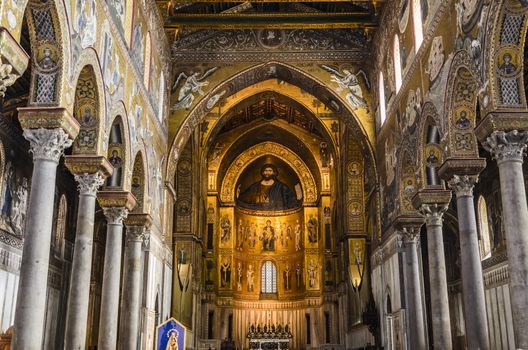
(269, 193)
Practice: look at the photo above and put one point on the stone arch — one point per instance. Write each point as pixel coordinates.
(139, 183)
(258, 73)
(460, 105)
(227, 190)
(49, 64)
(507, 35)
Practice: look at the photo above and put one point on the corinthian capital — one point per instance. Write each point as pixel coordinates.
(433, 213)
(89, 183)
(507, 146)
(135, 233)
(47, 144)
(463, 185)
(7, 77)
(115, 215)
(411, 235)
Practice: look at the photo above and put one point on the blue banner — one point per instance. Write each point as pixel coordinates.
(170, 335)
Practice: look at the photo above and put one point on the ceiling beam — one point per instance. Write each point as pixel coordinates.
(256, 1)
(284, 20)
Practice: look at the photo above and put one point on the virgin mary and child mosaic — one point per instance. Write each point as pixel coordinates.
(268, 193)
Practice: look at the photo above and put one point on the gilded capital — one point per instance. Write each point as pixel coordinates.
(507, 146)
(463, 185)
(47, 144)
(49, 118)
(88, 164)
(135, 233)
(116, 199)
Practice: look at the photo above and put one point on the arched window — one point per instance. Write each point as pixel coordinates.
(161, 98)
(417, 24)
(485, 237)
(381, 88)
(397, 63)
(269, 278)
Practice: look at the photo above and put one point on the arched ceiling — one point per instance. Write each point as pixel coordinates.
(268, 106)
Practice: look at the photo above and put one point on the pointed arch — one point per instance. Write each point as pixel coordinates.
(138, 184)
(259, 73)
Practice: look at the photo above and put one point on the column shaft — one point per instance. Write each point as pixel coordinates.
(77, 312)
(131, 293)
(47, 147)
(515, 214)
(414, 295)
(438, 286)
(472, 281)
(111, 279)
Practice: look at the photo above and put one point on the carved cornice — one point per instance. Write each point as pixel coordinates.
(88, 164)
(116, 199)
(48, 118)
(47, 144)
(139, 219)
(353, 56)
(505, 121)
(507, 146)
(461, 166)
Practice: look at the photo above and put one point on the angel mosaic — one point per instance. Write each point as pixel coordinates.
(347, 80)
(194, 82)
(85, 22)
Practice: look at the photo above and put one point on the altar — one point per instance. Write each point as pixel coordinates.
(269, 337)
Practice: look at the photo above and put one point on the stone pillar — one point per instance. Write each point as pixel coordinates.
(472, 279)
(509, 149)
(90, 173)
(413, 288)
(47, 146)
(136, 224)
(116, 205)
(432, 204)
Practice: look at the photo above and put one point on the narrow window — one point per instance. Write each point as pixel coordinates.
(328, 237)
(269, 278)
(327, 327)
(485, 239)
(417, 24)
(308, 330)
(381, 91)
(397, 64)
(210, 232)
(210, 320)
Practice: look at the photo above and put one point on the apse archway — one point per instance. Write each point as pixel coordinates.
(259, 73)
(309, 189)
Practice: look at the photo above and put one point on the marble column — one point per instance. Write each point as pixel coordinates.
(79, 294)
(441, 323)
(413, 288)
(47, 146)
(472, 279)
(135, 233)
(509, 149)
(111, 278)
